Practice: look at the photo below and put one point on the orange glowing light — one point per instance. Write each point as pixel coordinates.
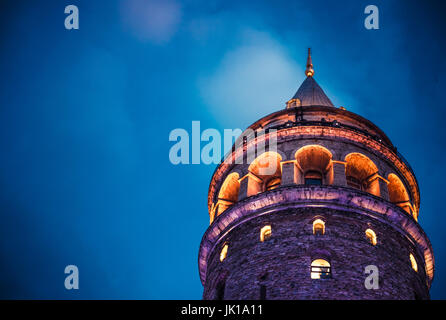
(318, 227)
(265, 233)
(224, 252)
(320, 269)
(413, 262)
(371, 236)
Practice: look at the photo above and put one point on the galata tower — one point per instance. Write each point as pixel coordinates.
(311, 202)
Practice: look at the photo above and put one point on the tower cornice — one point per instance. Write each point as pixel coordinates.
(323, 111)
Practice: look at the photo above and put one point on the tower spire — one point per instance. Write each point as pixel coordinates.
(309, 92)
(309, 72)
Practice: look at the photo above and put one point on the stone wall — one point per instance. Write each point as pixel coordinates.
(282, 263)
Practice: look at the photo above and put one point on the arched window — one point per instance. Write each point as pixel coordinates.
(265, 233)
(318, 227)
(228, 194)
(398, 193)
(265, 173)
(371, 236)
(313, 177)
(320, 269)
(224, 252)
(314, 166)
(361, 173)
(413, 262)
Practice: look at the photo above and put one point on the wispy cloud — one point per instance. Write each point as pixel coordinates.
(254, 79)
(155, 21)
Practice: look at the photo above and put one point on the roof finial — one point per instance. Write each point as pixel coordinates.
(309, 71)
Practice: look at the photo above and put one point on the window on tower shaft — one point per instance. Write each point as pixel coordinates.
(413, 262)
(320, 269)
(371, 236)
(318, 227)
(265, 233)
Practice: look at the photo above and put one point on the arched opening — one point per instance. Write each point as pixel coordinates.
(371, 236)
(265, 233)
(413, 262)
(320, 269)
(318, 227)
(361, 173)
(314, 166)
(228, 194)
(398, 193)
(265, 173)
(224, 252)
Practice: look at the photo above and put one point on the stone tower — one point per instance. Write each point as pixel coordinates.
(309, 197)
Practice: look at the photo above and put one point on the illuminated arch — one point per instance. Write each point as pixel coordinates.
(371, 236)
(265, 173)
(320, 269)
(224, 252)
(265, 233)
(318, 227)
(314, 165)
(228, 194)
(413, 262)
(398, 193)
(362, 173)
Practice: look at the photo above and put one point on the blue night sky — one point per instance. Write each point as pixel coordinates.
(85, 117)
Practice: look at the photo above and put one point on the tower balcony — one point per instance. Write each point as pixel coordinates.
(346, 156)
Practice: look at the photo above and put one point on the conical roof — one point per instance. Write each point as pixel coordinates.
(311, 94)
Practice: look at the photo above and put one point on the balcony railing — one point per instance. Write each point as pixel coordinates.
(334, 124)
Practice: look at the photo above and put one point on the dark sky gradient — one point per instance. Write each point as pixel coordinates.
(85, 117)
